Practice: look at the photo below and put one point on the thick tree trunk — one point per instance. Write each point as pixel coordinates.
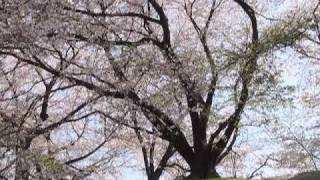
(22, 170)
(203, 172)
(203, 167)
(22, 167)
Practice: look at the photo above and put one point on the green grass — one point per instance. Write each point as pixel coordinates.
(225, 179)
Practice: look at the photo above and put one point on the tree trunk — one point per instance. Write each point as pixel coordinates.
(201, 173)
(22, 170)
(22, 167)
(203, 167)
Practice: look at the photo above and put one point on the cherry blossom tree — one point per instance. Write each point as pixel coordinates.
(180, 71)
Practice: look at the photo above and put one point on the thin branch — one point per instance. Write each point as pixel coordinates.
(111, 15)
(253, 174)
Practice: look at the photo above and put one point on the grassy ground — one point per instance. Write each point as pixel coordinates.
(225, 179)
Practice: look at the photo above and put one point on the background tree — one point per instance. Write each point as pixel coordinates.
(45, 133)
(300, 133)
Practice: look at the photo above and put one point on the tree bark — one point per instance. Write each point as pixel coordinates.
(203, 166)
(22, 170)
(203, 170)
(22, 167)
